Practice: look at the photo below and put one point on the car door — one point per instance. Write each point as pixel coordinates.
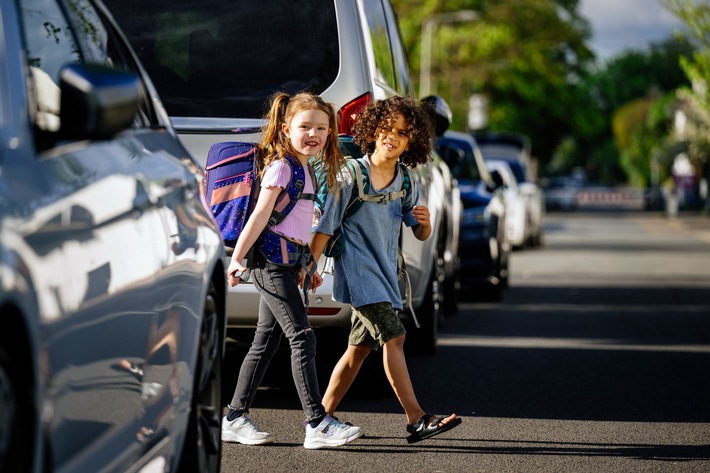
(98, 203)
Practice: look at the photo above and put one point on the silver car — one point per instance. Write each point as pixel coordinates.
(217, 62)
(112, 278)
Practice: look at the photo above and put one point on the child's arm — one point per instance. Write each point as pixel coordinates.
(422, 229)
(318, 242)
(252, 229)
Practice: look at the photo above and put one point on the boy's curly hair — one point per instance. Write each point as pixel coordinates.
(381, 115)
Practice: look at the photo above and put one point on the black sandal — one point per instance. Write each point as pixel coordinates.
(425, 427)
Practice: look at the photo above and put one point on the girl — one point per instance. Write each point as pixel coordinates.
(365, 273)
(298, 127)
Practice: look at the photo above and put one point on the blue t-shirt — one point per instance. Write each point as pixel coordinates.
(366, 271)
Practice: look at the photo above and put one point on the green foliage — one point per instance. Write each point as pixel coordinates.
(640, 128)
(695, 99)
(535, 67)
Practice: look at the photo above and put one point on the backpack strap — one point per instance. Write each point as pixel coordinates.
(294, 191)
(362, 180)
(361, 195)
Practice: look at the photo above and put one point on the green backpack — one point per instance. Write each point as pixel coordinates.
(361, 194)
(358, 170)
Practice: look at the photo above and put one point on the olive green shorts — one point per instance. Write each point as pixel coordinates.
(374, 325)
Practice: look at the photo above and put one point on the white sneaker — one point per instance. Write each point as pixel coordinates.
(243, 430)
(330, 433)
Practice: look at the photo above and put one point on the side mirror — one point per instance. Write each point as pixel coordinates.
(451, 154)
(97, 102)
(497, 179)
(440, 113)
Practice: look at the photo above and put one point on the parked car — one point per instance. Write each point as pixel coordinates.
(112, 270)
(515, 149)
(561, 193)
(442, 116)
(484, 248)
(517, 229)
(218, 63)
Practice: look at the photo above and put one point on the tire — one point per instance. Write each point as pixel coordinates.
(449, 300)
(16, 431)
(493, 292)
(202, 450)
(451, 296)
(422, 341)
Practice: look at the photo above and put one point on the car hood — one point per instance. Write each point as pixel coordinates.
(474, 194)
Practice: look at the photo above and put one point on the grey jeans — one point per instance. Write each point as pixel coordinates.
(281, 311)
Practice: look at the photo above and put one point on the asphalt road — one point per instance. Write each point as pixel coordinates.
(597, 359)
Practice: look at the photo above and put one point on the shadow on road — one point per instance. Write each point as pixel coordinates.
(601, 354)
(616, 354)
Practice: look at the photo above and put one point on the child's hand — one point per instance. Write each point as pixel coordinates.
(421, 213)
(423, 228)
(316, 280)
(234, 271)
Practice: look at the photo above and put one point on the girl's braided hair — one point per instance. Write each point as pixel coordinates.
(381, 115)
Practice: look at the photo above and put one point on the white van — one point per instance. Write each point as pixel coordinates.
(216, 62)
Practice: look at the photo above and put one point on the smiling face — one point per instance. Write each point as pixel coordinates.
(390, 144)
(308, 132)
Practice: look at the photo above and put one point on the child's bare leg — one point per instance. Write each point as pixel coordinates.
(343, 376)
(398, 375)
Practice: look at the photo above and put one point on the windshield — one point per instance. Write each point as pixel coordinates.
(460, 159)
(223, 59)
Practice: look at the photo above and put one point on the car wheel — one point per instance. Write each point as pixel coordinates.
(16, 432)
(493, 292)
(422, 340)
(203, 444)
(449, 285)
(451, 295)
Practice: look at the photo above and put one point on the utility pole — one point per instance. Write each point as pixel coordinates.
(426, 86)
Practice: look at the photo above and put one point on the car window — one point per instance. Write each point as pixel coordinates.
(460, 159)
(54, 39)
(518, 169)
(223, 59)
(399, 54)
(379, 34)
(50, 44)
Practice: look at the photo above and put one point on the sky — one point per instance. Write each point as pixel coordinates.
(621, 25)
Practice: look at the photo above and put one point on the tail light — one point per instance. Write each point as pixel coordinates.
(347, 115)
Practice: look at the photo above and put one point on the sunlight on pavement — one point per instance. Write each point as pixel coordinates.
(564, 343)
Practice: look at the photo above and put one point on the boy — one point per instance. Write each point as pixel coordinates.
(390, 130)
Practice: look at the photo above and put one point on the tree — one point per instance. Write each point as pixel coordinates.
(520, 58)
(627, 90)
(541, 79)
(695, 99)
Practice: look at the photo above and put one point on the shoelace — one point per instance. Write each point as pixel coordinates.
(250, 423)
(337, 424)
(343, 424)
